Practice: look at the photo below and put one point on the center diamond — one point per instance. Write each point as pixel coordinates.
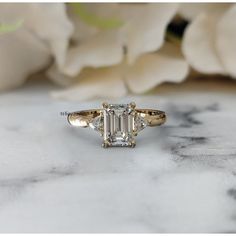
(119, 125)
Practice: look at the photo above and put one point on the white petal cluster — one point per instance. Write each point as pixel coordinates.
(133, 57)
(209, 40)
(44, 34)
(93, 60)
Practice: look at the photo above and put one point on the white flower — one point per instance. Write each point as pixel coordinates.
(209, 41)
(45, 32)
(147, 72)
(98, 65)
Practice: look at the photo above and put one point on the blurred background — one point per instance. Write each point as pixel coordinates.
(110, 50)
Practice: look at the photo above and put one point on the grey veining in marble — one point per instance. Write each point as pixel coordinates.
(181, 177)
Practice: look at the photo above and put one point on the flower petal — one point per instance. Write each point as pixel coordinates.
(101, 50)
(199, 45)
(12, 12)
(106, 82)
(145, 26)
(226, 38)
(58, 78)
(50, 22)
(191, 10)
(82, 31)
(151, 70)
(137, 33)
(84, 28)
(21, 55)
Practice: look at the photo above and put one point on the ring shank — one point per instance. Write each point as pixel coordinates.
(153, 117)
(83, 118)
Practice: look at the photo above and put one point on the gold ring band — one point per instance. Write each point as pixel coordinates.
(117, 123)
(85, 117)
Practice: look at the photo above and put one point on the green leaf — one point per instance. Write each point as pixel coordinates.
(6, 28)
(93, 20)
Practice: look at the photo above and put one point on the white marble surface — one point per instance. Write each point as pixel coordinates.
(181, 177)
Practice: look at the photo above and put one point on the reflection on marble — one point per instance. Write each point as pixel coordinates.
(181, 177)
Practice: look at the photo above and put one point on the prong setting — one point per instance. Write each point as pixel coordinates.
(105, 105)
(132, 105)
(106, 144)
(132, 144)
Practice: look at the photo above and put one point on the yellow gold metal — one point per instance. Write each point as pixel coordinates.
(149, 117)
(132, 105)
(83, 118)
(153, 117)
(105, 105)
(132, 144)
(105, 144)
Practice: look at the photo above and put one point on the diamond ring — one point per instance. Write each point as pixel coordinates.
(118, 124)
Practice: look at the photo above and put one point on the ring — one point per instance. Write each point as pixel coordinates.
(118, 124)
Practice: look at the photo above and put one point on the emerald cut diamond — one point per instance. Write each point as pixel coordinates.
(119, 125)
